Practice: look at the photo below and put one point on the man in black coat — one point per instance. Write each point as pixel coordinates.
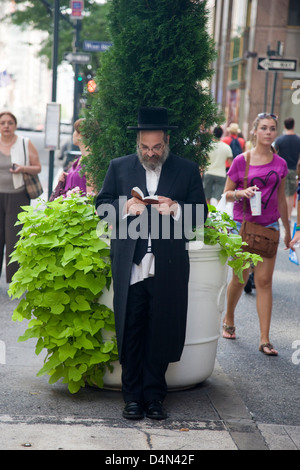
(149, 255)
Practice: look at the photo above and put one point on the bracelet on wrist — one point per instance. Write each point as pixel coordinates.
(297, 228)
(235, 196)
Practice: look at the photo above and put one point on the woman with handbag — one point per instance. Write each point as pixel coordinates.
(260, 171)
(74, 178)
(18, 157)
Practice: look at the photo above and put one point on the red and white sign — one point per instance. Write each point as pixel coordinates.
(77, 7)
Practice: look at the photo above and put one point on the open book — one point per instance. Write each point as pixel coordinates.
(138, 193)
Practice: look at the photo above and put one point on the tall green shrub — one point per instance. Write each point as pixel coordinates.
(161, 56)
(64, 267)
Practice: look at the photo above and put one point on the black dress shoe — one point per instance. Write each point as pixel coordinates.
(154, 410)
(133, 410)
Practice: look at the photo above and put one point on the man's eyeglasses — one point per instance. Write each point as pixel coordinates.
(156, 149)
(267, 115)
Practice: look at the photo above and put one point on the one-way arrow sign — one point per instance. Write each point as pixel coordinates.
(276, 64)
(77, 57)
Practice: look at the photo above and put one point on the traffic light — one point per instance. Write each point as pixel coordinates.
(80, 84)
(91, 86)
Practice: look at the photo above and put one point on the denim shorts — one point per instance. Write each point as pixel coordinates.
(239, 224)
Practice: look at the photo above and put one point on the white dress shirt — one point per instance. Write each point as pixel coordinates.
(146, 267)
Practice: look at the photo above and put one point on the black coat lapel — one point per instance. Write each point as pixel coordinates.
(137, 176)
(167, 176)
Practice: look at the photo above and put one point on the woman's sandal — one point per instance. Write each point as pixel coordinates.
(228, 331)
(269, 346)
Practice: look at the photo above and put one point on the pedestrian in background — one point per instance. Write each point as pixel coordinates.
(150, 273)
(215, 174)
(236, 143)
(13, 195)
(74, 179)
(288, 147)
(267, 172)
(296, 238)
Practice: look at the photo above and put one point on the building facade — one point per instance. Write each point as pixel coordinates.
(25, 87)
(246, 32)
(25, 78)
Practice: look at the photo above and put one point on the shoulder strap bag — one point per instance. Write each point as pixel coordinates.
(261, 240)
(32, 182)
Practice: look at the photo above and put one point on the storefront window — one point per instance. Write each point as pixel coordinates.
(294, 13)
(239, 24)
(239, 17)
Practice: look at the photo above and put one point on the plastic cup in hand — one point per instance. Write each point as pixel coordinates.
(255, 203)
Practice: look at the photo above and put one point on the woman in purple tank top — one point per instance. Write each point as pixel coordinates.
(75, 180)
(267, 173)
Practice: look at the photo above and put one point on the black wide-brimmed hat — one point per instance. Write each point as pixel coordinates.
(152, 119)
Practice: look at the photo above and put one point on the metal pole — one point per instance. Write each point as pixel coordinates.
(279, 54)
(274, 92)
(54, 85)
(76, 72)
(266, 85)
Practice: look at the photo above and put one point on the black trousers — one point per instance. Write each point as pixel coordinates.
(142, 379)
(10, 206)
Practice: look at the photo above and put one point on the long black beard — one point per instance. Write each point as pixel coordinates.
(160, 160)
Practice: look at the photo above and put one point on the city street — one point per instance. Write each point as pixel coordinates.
(251, 401)
(269, 386)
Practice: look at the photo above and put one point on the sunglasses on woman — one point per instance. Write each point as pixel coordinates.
(267, 115)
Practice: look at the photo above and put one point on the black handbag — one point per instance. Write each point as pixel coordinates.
(58, 191)
(32, 182)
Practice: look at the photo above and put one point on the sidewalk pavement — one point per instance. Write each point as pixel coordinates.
(37, 416)
(210, 416)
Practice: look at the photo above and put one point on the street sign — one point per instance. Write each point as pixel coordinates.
(276, 64)
(96, 46)
(77, 7)
(77, 57)
(52, 126)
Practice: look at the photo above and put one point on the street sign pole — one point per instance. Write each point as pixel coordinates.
(76, 73)
(275, 62)
(279, 53)
(274, 91)
(267, 83)
(54, 86)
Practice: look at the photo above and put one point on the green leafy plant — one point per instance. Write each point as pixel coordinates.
(219, 229)
(64, 267)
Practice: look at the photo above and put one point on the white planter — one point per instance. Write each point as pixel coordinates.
(207, 289)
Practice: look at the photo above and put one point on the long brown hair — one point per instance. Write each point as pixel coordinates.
(78, 125)
(257, 120)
